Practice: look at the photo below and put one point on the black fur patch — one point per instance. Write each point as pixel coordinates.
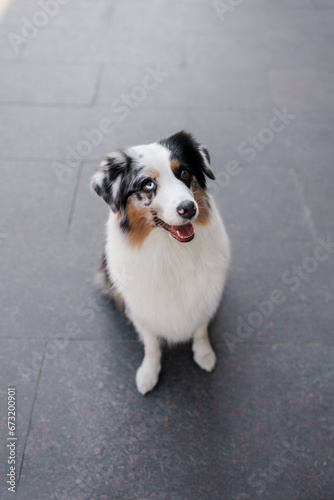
(103, 269)
(187, 151)
(124, 170)
(124, 223)
(189, 181)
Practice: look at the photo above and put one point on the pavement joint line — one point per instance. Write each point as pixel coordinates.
(307, 208)
(32, 413)
(74, 199)
(97, 84)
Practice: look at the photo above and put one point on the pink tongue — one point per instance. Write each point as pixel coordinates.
(185, 231)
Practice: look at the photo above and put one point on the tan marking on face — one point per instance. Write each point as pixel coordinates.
(203, 208)
(140, 223)
(152, 172)
(175, 165)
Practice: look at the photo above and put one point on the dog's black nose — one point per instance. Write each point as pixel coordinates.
(187, 209)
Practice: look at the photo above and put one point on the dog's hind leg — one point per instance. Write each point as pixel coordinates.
(204, 355)
(148, 372)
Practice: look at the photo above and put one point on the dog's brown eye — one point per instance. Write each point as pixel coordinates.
(185, 174)
(148, 186)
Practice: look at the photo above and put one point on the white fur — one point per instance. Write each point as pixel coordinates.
(171, 290)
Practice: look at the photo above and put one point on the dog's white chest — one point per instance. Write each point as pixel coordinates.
(170, 288)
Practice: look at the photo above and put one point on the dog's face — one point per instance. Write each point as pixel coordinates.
(160, 185)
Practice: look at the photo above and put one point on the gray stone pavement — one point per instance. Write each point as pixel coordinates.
(253, 80)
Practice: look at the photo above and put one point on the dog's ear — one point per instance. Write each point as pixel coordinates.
(185, 148)
(107, 180)
(206, 160)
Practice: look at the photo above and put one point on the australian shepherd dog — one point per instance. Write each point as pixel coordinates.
(167, 251)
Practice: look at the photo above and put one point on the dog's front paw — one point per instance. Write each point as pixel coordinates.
(206, 359)
(146, 377)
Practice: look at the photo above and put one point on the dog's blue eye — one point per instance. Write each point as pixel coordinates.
(148, 186)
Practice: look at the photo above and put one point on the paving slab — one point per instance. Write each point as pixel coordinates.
(48, 277)
(50, 292)
(305, 141)
(225, 132)
(194, 17)
(223, 90)
(257, 191)
(276, 292)
(245, 20)
(148, 124)
(7, 51)
(78, 139)
(33, 202)
(61, 44)
(67, 141)
(317, 187)
(200, 423)
(48, 83)
(74, 13)
(304, 90)
(326, 4)
(138, 47)
(15, 374)
(260, 49)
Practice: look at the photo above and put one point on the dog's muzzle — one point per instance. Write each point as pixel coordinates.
(183, 233)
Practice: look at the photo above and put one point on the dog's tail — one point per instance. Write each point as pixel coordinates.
(105, 285)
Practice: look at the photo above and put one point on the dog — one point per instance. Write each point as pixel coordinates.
(167, 251)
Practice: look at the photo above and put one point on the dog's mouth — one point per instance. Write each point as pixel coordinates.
(182, 233)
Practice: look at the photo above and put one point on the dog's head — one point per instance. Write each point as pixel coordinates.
(159, 185)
